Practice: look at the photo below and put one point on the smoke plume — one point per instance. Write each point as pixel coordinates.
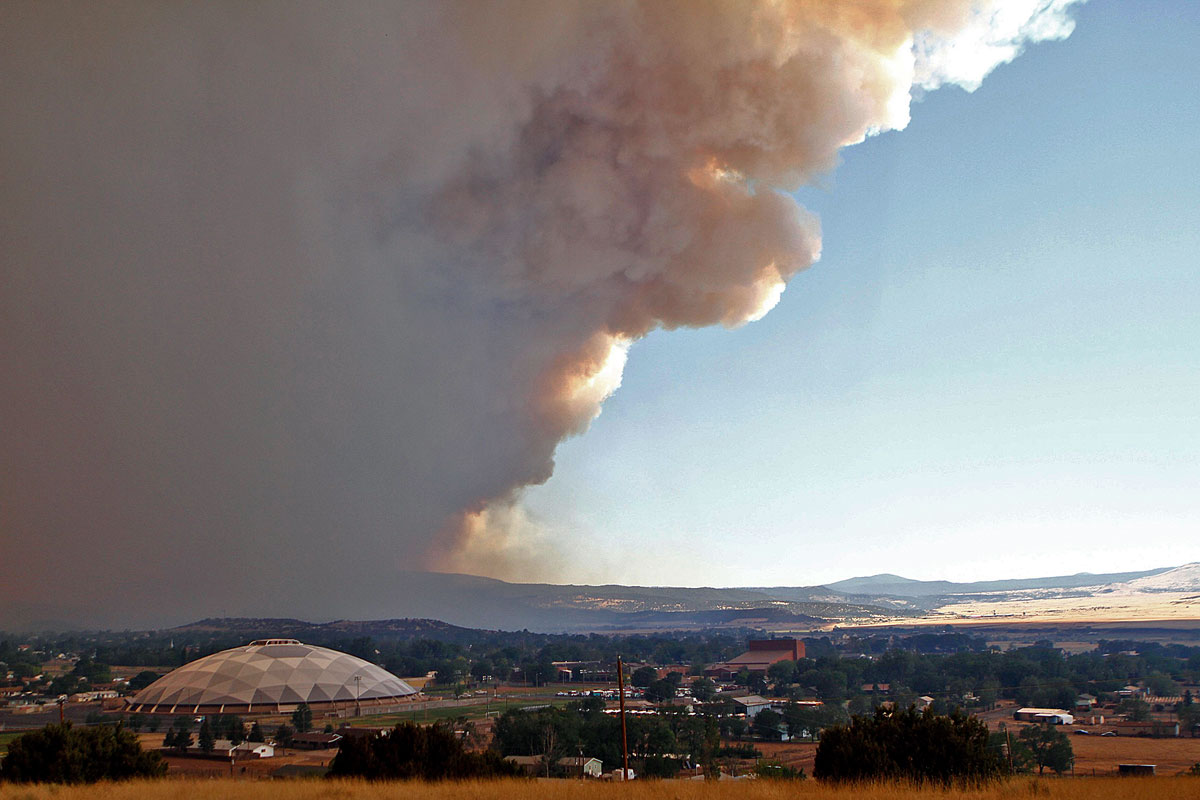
(296, 296)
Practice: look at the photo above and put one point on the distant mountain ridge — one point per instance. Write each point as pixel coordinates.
(1179, 579)
(250, 628)
(887, 584)
(414, 603)
(472, 602)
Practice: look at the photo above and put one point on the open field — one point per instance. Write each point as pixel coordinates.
(1077, 635)
(1101, 753)
(1098, 755)
(1055, 789)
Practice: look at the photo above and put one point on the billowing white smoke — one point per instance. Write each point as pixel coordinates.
(285, 280)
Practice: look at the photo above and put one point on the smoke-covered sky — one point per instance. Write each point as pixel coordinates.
(298, 297)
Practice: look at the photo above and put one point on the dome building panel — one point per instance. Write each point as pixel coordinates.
(271, 676)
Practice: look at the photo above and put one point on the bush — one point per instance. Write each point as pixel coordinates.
(1049, 746)
(739, 751)
(660, 767)
(774, 770)
(410, 751)
(907, 745)
(63, 754)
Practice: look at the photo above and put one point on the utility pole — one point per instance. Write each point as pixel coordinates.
(624, 737)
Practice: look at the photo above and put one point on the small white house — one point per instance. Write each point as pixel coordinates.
(255, 750)
(222, 748)
(582, 765)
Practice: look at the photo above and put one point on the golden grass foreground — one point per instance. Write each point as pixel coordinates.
(1017, 789)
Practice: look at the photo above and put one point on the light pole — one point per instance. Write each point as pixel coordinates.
(624, 738)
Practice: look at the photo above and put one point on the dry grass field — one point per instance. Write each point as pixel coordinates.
(1054, 789)
(1101, 753)
(1094, 755)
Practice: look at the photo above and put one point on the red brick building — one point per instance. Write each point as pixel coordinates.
(762, 654)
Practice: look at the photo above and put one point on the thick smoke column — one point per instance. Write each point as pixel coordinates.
(297, 297)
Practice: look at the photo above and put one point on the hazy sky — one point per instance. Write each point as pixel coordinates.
(993, 371)
(295, 298)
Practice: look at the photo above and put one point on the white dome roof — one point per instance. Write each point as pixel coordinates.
(266, 675)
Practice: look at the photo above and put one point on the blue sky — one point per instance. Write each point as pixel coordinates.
(993, 371)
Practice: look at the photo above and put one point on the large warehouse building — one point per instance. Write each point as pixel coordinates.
(271, 676)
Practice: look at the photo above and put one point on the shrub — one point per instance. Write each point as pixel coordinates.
(774, 770)
(63, 754)
(907, 745)
(410, 751)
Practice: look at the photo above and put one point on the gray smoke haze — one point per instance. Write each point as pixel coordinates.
(296, 296)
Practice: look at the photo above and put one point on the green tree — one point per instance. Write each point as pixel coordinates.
(1050, 746)
(180, 735)
(1161, 685)
(142, 680)
(989, 693)
(283, 735)
(1016, 757)
(782, 672)
(231, 727)
(807, 720)
(907, 745)
(704, 689)
(206, 739)
(1134, 709)
(767, 724)
(414, 752)
(660, 691)
(256, 733)
(643, 677)
(302, 718)
(1028, 689)
(63, 754)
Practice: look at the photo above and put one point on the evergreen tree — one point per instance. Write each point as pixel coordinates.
(183, 735)
(207, 740)
(302, 718)
(283, 735)
(63, 754)
(256, 733)
(907, 745)
(414, 752)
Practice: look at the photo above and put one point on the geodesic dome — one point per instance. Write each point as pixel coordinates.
(270, 676)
